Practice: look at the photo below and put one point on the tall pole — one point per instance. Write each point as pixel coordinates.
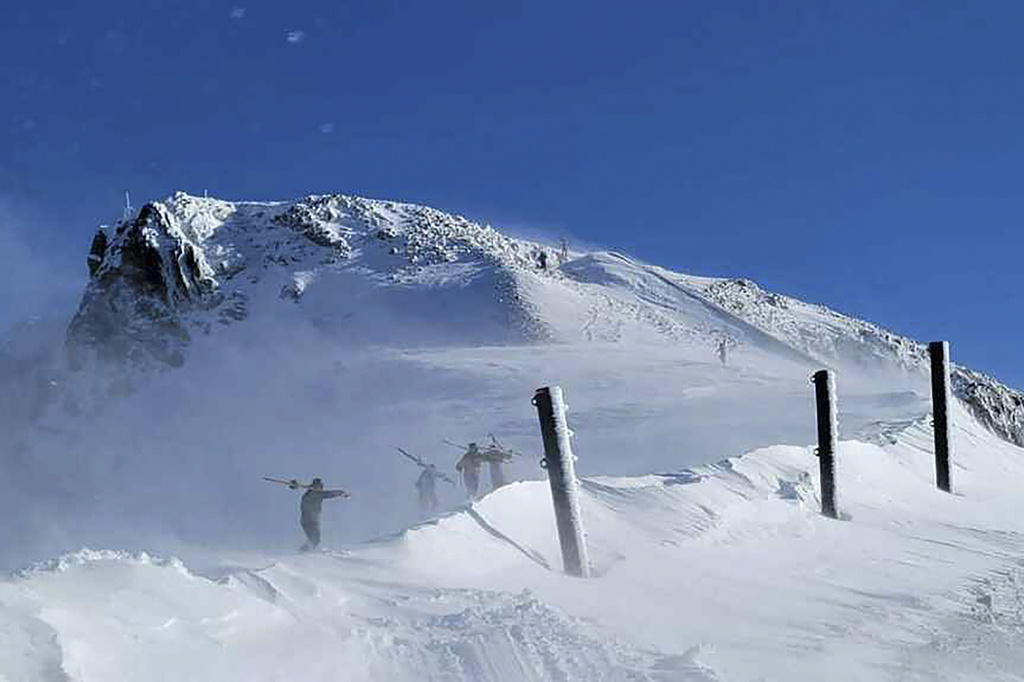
(939, 353)
(560, 465)
(824, 394)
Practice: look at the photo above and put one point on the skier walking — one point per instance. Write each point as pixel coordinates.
(496, 458)
(469, 467)
(723, 349)
(426, 485)
(310, 507)
(497, 474)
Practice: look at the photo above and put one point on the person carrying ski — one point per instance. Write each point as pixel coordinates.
(426, 485)
(469, 467)
(723, 350)
(310, 507)
(496, 458)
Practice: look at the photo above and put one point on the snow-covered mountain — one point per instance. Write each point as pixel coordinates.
(380, 272)
(186, 265)
(329, 308)
(218, 342)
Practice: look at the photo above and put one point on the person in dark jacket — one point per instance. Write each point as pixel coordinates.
(310, 506)
(426, 485)
(469, 467)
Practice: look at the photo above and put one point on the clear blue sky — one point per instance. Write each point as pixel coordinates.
(867, 155)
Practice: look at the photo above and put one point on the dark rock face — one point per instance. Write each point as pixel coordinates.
(96, 251)
(132, 307)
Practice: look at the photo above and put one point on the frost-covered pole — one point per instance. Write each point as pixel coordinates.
(824, 393)
(939, 352)
(560, 464)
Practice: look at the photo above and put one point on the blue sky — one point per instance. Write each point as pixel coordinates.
(866, 155)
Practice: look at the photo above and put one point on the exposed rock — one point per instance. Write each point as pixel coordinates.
(997, 406)
(128, 311)
(96, 251)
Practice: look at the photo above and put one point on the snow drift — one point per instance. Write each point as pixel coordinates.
(218, 341)
(720, 572)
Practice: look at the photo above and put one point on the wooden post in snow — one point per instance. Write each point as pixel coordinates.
(824, 393)
(939, 353)
(560, 465)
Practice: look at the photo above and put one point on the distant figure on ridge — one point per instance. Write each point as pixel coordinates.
(310, 506)
(723, 350)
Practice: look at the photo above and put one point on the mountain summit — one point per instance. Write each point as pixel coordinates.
(370, 272)
(186, 265)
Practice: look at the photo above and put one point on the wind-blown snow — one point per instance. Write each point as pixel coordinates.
(721, 572)
(219, 342)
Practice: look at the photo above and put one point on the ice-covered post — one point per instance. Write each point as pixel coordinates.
(939, 352)
(824, 393)
(560, 465)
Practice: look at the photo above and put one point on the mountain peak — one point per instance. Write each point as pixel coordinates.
(185, 263)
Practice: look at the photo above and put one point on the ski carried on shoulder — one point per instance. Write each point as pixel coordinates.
(424, 465)
(293, 484)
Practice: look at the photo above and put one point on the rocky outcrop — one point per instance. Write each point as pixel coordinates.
(997, 406)
(176, 269)
(141, 279)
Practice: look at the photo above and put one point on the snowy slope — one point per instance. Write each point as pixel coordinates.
(722, 572)
(221, 341)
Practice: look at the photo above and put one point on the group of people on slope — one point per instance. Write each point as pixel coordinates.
(469, 467)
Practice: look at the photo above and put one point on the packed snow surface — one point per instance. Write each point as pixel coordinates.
(219, 342)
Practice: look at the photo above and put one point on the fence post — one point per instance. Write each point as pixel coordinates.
(939, 353)
(824, 393)
(559, 463)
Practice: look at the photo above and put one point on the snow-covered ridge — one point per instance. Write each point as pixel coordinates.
(831, 337)
(189, 265)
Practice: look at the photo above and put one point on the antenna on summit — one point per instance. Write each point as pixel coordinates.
(127, 205)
